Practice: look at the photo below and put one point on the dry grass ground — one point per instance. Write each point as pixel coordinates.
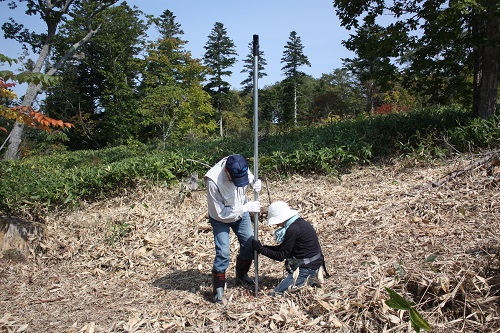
(141, 262)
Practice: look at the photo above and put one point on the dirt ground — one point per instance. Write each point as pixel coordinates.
(141, 262)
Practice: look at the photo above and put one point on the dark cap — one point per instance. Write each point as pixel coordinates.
(237, 166)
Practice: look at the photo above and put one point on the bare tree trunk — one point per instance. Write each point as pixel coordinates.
(32, 92)
(12, 152)
(486, 63)
(371, 96)
(221, 130)
(295, 102)
(14, 235)
(14, 142)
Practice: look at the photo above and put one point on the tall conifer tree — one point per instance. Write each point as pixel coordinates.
(219, 57)
(248, 67)
(167, 26)
(293, 58)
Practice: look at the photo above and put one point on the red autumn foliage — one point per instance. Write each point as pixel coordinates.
(383, 109)
(26, 114)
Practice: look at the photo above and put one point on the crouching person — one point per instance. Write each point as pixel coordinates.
(298, 246)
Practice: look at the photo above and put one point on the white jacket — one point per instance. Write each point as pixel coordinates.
(225, 200)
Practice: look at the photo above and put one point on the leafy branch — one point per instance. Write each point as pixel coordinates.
(399, 303)
(25, 114)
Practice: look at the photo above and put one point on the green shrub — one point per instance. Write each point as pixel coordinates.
(483, 133)
(33, 185)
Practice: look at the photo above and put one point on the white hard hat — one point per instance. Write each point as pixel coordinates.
(279, 212)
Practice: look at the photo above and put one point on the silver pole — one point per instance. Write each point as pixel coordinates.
(256, 149)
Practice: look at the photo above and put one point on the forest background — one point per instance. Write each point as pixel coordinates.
(415, 86)
(108, 111)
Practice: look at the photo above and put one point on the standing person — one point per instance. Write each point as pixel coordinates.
(228, 208)
(298, 246)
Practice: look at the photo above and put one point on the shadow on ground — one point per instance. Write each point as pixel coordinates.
(191, 280)
(187, 280)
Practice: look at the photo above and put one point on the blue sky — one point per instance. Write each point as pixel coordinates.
(314, 21)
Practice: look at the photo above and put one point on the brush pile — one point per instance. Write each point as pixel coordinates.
(141, 262)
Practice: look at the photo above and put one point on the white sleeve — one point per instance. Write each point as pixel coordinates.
(251, 177)
(217, 208)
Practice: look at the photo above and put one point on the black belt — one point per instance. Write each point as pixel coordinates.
(292, 264)
(305, 261)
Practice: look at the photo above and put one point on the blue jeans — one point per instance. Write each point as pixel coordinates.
(243, 230)
(283, 286)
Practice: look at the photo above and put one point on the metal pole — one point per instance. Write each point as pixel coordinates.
(256, 150)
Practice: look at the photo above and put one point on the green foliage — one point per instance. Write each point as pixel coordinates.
(436, 140)
(440, 61)
(98, 88)
(237, 120)
(294, 57)
(399, 303)
(65, 179)
(10, 61)
(45, 143)
(338, 94)
(30, 77)
(219, 57)
(36, 184)
(249, 66)
(372, 65)
(476, 133)
(167, 26)
(117, 231)
(423, 146)
(178, 114)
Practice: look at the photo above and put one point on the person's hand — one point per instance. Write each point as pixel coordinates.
(257, 185)
(252, 207)
(257, 245)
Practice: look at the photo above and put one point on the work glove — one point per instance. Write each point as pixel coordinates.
(257, 185)
(251, 207)
(256, 245)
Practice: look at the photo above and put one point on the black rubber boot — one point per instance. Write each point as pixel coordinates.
(242, 268)
(218, 282)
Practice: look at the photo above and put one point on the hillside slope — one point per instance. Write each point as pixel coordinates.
(141, 262)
